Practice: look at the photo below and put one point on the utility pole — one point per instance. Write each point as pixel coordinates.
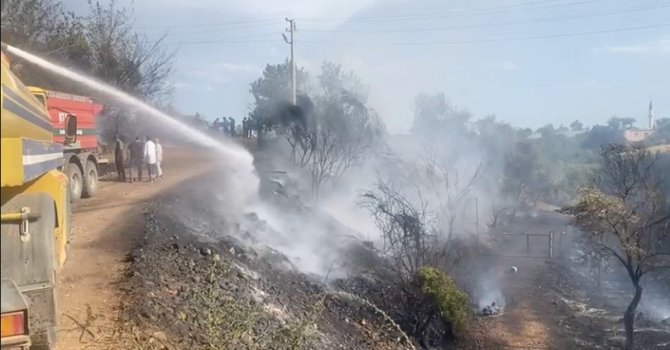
(291, 30)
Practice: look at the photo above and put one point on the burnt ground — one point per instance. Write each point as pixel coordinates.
(196, 287)
(199, 281)
(595, 318)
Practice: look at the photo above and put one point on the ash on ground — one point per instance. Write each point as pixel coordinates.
(491, 310)
(195, 282)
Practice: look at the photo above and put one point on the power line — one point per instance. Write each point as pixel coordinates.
(227, 23)
(487, 11)
(478, 41)
(233, 39)
(241, 40)
(226, 41)
(221, 30)
(487, 25)
(227, 51)
(267, 21)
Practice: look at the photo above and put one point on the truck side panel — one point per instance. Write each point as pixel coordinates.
(61, 104)
(55, 185)
(28, 259)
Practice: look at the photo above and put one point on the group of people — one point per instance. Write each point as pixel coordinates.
(137, 154)
(227, 126)
(247, 127)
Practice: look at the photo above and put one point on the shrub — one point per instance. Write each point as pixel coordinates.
(451, 302)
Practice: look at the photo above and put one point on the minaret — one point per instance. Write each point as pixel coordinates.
(652, 122)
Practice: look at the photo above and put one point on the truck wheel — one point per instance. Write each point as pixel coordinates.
(90, 180)
(76, 181)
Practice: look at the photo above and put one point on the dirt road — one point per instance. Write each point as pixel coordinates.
(105, 228)
(526, 322)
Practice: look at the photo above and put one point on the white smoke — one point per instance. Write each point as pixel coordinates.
(488, 291)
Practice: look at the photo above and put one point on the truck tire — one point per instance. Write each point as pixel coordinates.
(75, 181)
(90, 180)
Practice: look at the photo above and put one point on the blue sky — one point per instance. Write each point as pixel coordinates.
(528, 62)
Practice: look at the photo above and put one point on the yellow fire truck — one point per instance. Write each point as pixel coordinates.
(35, 216)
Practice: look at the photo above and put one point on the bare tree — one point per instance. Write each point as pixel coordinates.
(626, 214)
(406, 237)
(412, 243)
(450, 185)
(122, 57)
(408, 244)
(45, 28)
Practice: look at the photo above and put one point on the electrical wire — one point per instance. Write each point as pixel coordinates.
(488, 25)
(487, 11)
(227, 41)
(226, 23)
(233, 39)
(217, 50)
(220, 30)
(478, 41)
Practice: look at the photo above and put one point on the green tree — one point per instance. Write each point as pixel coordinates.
(452, 304)
(625, 215)
(576, 126)
(662, 133)
(434, 115)
(601, 135)
(524, 179)
(271, 93)
(330, 129)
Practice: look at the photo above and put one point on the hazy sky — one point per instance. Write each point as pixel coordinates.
(528, 62)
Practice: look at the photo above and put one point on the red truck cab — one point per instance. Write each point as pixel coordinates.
(82, 157)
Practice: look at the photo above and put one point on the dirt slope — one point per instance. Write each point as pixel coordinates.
(105, 229)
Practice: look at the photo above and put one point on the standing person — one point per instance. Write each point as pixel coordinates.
(159, 158)
(150, 158)
(253, 126)
(119, 158)
(244, 127)
(224, 126)
(231, 124)
(136, 155)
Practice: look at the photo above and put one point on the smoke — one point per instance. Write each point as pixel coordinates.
(311, 236)
(655, 306)
(488, 291)
(237, 159)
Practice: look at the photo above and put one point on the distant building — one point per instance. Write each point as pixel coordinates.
(637, 135)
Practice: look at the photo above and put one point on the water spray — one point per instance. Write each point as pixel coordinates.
(230, 150)
(235, 155)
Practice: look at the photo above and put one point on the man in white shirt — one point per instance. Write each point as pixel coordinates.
(150, 157)
(159, 158)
